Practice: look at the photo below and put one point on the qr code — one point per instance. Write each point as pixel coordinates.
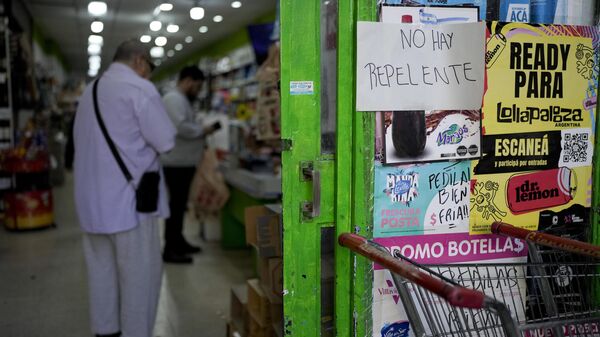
(575, 147)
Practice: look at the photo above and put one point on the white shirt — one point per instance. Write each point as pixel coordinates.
(138, 124)
(189, 144)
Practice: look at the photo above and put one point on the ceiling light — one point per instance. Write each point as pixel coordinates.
(92, 72)
(94, 49)
(236, 4)
(145, 38)
(160, 41)
(170, 53)
(97, 8)
(155, 25)
(189, 39)
(95, 39)
(157, 62)
(172, 28)
(197, 13)
(157, 52)
(178, 46)
(218, 18)
(94, 66)
(97, 26)
(94, 59)
(203, 29)
(166, 6)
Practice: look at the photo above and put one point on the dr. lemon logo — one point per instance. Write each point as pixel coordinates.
(539, 190)
(454, 135)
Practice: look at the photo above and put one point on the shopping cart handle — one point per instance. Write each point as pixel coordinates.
(465, 297)
(547, 240)
(455, 295)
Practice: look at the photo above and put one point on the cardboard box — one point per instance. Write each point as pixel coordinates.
(275, 278)
(262, 266)
(238, 308)
(277, 329)
(268, 235)
(258, 303)
(233, 330)
(251, 215)
(276, 310)
(258, 330)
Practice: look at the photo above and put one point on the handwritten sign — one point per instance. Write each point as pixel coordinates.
(420, 67)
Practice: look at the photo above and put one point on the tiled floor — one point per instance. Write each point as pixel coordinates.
(43, 290)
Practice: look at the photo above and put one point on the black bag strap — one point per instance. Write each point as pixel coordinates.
(111, 144)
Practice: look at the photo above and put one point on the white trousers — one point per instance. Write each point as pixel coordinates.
(124, 276)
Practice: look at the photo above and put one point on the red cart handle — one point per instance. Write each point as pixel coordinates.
(455, 295)
(547, 240)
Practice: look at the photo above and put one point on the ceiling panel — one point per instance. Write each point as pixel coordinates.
(68, 23)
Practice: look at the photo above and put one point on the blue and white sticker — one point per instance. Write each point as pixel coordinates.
(302, 88)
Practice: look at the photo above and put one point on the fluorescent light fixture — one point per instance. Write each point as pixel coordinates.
(170, 53)
(157, 52)
(94, 66)
(172, 28)
(155, 25)
(94, 59)
(92, 72)
(218, 18)
(94, 49)
(166, 6)
(97, 26)
(236, 4)
(178, 47)
(95, 39)
(145, 38)
(97, 8)
(160, 41)
(203, 29)
(189, 39)
(197, 13)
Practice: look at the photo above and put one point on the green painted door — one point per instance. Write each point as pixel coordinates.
(327, 168)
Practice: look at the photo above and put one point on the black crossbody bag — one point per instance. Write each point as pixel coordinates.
(146, 193)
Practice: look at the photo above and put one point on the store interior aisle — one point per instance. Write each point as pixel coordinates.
(43, 284)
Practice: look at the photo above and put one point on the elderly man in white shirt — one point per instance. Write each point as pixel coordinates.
(180, 164)
(121, 245)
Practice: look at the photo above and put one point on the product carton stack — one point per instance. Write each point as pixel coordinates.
(238, 324)
(265, 303)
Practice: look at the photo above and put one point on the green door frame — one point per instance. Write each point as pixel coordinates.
(346, 177)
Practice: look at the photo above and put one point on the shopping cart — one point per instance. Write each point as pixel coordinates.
(553, 292)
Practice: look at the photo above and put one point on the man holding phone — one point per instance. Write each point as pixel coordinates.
(180, 163)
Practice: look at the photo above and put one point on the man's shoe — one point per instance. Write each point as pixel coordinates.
(187, 248)
(172, 257)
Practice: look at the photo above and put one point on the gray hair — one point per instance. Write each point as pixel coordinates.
(129, 49)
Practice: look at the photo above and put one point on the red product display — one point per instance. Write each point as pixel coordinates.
(29, 210)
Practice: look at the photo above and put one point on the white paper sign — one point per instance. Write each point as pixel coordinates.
(420, 67)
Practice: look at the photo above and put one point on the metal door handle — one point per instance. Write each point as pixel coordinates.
(316, 211)
(311, 209)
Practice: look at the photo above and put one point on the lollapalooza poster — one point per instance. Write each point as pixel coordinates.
(538, 125)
